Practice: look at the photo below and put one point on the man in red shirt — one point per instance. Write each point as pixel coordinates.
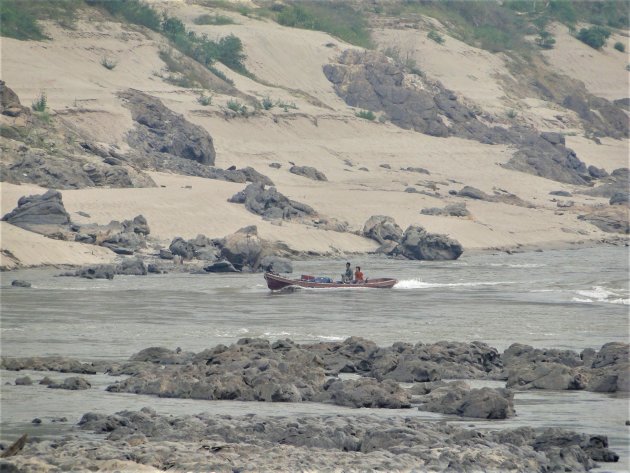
(358, 275)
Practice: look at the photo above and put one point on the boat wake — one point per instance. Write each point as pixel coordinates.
(419, 284)
(600, 294)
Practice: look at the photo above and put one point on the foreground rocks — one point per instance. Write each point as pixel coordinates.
(605, 371)
(137, 440)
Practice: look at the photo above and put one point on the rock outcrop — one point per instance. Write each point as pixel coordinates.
(382, 228)
(611, 220)
(270, 204)
(415, 243)
(43, 214)
(160, 130)
(370, 80)
(451, 210)
(142, 439)
(418, 244)
(605, 371)
(457, 398)
(308, 172)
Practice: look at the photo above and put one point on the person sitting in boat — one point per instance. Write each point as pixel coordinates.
(269, 269)
(347, 276)
(358, 275)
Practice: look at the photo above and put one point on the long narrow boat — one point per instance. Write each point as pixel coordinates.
(276, 282)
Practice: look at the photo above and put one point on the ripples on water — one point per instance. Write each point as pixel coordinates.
(570, 299)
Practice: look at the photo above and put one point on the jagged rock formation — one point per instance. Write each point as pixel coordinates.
(158, 129)
(270, 204)
(372, 81)
(308, 172)
(43, 214)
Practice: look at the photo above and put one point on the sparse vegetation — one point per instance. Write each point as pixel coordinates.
(545, 40)
(237, 107)
(366, 115)
(286, 105)
(267, 103)
(18, 18)
(619, 46)
(594, 36)
(213, 20)
(40, 104)
(204, 99)
(512, 114)
(406, 62)
(227, 50)
(339, 19)
(435, 36)
(109, 64)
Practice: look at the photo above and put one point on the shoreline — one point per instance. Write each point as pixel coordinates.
(617, 240)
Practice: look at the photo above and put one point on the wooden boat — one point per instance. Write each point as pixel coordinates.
(276, 282)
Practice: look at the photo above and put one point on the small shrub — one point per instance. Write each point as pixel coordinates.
(108, 63)
(511, 113)
(366, 115)
(204, 99)
(267, 103)
(619, 46)
(41, 103)
(286, 105)
(627, 67)
(435, 36)
(594, 36)
(213, 20)
(237, 107)
(545, 40)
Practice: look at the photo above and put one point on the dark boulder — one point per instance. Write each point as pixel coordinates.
(74, 383)
(20, 283)
(10, 103)
(132, 267)
(102, 271)
(614, 219)
(23, 381)
(553, 138)
(620, 198)
(270, 204)
(278, 263)
(43, 214)
(597, 173)
(221, 267)
(473, 193)
(382, 228)
(243, 248)
(309, 172)
(561, 193)
(418, 244)
(181, 247)
(166, 254)
(365, 392)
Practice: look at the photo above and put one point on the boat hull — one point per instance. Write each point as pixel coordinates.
(276, 282)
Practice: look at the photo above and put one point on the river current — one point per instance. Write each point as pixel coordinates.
(568, 299)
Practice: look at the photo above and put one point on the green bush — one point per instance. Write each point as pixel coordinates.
(237, 107)
(204, 99)
(213, 20)
(545, 40)
(267, 103)
(18, 18)
(511, 113)
(286, 105)
(336, 18)
(134, 11)
(619, 46)
(366, 114)
(41, 103)
(435, 36)
(595, 36)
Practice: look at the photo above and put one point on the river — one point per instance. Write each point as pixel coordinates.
(568, 299)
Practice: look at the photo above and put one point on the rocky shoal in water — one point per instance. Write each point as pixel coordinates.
(145, 441)
(284, 371)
